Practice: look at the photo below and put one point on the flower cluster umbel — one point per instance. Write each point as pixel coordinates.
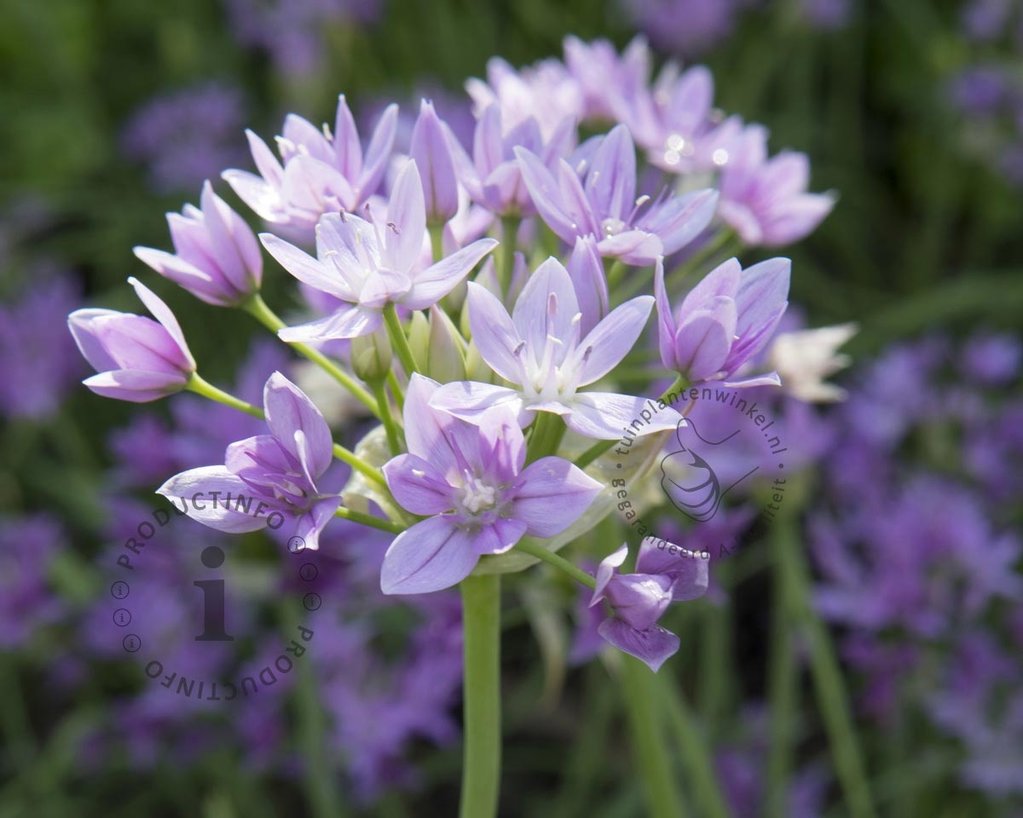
(487, 380)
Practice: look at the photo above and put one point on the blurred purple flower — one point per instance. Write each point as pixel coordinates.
(187, 136)
(39, 364)
(28, 547)
(765, 200)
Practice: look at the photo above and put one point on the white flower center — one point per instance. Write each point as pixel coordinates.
(612, 227)
(478, 496)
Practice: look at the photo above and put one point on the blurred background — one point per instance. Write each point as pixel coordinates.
(908, 513)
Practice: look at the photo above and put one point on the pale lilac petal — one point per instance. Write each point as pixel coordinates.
(378, 152)
(704, 339)
(162, 313)
(797, 218)
(551, 494)
(611, 178)
(185, 274)
(470, 399)
(431, 556)
(501, 442)
(406, 211)
(262, 198)
(547, 198)
(435, 282)
(347, 148)
(417, 485)
(232, 243)
(135, 386)
(549, 286)
(305, 268)
(637, 247)
(494, 333)
(499, 537)
(288, 409)
(586, 270)
(665, 318)
(680, 219)
(688, 570)
(429, 149)
(84, 325)
(613, 338)
(195, 487)
(723, 280)
(353, 322)
(426, 426)
(607, 416)
(766, 379)
(652, 646)
(606, 570)
(311, 524)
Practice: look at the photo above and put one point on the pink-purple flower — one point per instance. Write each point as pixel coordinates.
(318, 172)
(266, 479)
(137, 359)
(665, 573)
(723, 322)
(597, 197)
(471, 482)
(367, 265)
(540, 349)
(216, 256)
(765, 200)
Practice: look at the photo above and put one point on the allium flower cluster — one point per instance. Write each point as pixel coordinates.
(496, 297)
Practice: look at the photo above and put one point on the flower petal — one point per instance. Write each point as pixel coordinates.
(551, 494)
(406, 216)
(607, 416)
(652, 646)
(193, 491)
(431, 556)
(436, 281)
(494, 333)
(353, 322)
(546, 307)
(289, 410)
(162, 313)
(417, 485)
(688, 570)
(612, 339)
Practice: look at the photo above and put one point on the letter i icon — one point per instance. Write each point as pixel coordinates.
(213, 627)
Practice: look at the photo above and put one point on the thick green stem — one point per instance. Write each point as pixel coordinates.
(651, 757)
(258, 309)
(783, 678)
(390, 428)
(203, 387)
(399, 340)
(534, 549)
(320, 787)
(830, 689)
(369, 520)
(481, 764)
(548, 430)
(693, 750)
